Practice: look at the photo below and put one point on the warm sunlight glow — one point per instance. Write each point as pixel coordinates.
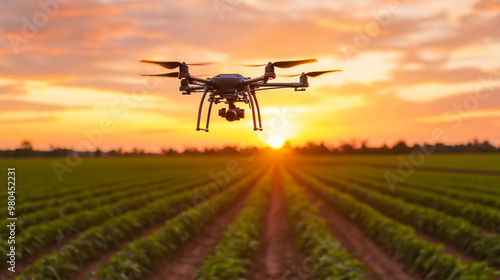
(276, 141)
(397, 81)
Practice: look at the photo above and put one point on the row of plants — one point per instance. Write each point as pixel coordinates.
(47, 191)
(35, 238)
(93, 242)
(455, 230)
(466, 195)
(483, 216)
(329, 261)
(52, 213)
(84, 193)
(470, 182)
(142, 255)
(236, 251)
(401, 240)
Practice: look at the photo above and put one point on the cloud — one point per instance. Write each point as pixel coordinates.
(18, 105)
(12, 90)
(487, 5)
(41, 120)
(155, 131)
(97, 45)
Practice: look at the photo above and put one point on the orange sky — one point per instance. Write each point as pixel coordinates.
(69, 71)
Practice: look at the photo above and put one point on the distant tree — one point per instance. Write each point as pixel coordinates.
(229, 150)
(401, 148)
(97, 152)
(210, 151)
(26, 145)
(169, 152)
(346, 149)
(364, 148)
(486, 147)
(191, 151)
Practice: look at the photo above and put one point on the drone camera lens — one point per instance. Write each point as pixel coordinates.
(231, 115)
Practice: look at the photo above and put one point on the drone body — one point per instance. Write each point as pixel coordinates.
(234, 88)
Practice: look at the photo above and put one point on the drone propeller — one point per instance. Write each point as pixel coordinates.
(172, 64)
(313, 73)
(174, 75)
(286, 63)
(170, 75)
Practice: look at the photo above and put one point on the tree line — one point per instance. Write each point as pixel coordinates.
(26, 150)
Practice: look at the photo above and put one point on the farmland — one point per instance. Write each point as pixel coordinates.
(273, 216)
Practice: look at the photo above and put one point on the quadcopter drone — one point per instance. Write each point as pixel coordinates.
(233, 88)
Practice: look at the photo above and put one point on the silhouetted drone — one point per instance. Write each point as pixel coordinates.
(232, 88)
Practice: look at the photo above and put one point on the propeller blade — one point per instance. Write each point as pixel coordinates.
(311, 74)
(170, 75)
(319, 73)
(204, 63)
(291, 63)
(253, 65)
(166, 64)
(172, 64)
(285, 63)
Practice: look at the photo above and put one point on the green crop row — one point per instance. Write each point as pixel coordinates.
(29, 206)
(99, 239)
(465, 195)
(51, 213)
(240, 241)
(328, 259)
(35, 238)
(485, 217)
(50, 192)
(142, 255)
(469, 182)
(428, 259)
(455, 230)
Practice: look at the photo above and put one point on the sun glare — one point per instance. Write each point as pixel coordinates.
(275, 141)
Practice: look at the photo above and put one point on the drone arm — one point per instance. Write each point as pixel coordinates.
(280, 85)
(200, 80)
(194, 88)
(254, 80)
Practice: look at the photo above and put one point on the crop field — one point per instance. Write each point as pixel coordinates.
(263, 217)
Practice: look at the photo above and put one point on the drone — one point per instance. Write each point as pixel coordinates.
(233, 88)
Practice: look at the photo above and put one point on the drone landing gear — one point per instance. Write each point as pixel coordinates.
(253, 98)
(199, 111)
(254, 104)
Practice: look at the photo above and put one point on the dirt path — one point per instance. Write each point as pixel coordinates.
(353, 239)
(277, 257)
(190, 256)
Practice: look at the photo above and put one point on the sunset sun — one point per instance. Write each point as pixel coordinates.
(275, 141)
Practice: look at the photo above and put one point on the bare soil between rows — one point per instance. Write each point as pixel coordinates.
(353, 239)
(277, 257)
(190, 256)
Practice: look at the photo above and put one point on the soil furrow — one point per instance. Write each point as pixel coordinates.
(355, 240)
(186, 260)
(277, 257)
